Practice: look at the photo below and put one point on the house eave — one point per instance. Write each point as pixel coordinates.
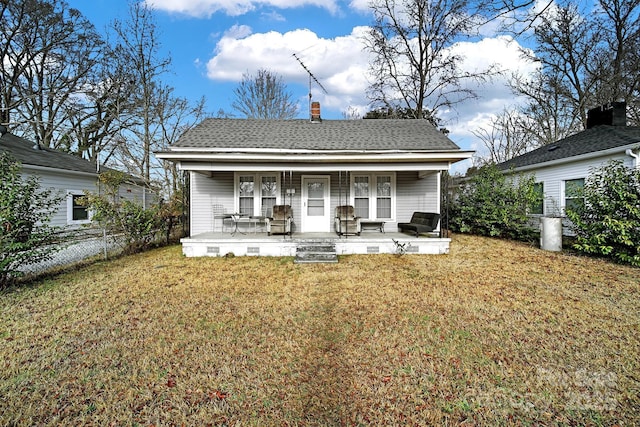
(316, 158)
(58, 170)
(311, 167)
(573, 159)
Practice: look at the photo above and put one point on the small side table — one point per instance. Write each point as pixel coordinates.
(372, 225)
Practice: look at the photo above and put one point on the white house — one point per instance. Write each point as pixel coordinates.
(561, 168)
(67, 174)
(385, 169)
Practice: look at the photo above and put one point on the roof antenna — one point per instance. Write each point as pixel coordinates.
(311, 76)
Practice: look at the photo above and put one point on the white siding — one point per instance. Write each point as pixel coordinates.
(552, 178)
(65, 183)
(62, 184)
(415, 194)
(205, 192)
(138, 194)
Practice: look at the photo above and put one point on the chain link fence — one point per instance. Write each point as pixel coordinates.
(93, 244)
(90, 245)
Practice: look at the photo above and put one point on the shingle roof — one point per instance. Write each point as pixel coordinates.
(305, 135)
(598, 138)
(24, 151)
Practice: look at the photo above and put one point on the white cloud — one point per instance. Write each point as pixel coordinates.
(360, 5)
(273, 16)
(495, 95)
(206, 8)
(339, 64)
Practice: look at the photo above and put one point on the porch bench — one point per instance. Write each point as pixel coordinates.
(421, 222)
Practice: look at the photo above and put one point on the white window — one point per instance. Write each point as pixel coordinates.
(361, 200)
(573, 197)
(77, 212)
(373, 195)
(538, 207)
(256, 193)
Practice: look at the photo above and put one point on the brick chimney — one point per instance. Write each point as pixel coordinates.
(315, 112)
(611, 114)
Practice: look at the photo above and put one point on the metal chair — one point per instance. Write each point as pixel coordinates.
(219, 214)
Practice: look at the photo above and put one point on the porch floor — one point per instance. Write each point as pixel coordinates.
(260, 244)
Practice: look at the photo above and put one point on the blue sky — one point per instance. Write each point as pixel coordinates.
(213, 42)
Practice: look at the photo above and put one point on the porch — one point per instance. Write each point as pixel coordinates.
(260, 244)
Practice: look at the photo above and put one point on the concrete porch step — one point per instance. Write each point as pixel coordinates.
(316, 252)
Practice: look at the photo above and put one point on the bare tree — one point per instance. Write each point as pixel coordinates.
(586, 59)
(175, 116)
(351, 113)
(104, 111)
(138, 46)
(414, 67)
(551, 116)
(617, 58)
(505, 138)
(48, 51)
(264, 96)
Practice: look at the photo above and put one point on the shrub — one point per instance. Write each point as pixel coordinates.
(608, 223)
(136, 224)
(492, 204)
(25, 212)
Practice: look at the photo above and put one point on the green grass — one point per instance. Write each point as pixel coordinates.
(495, 333)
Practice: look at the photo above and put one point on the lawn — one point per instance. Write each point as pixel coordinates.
(495, 333)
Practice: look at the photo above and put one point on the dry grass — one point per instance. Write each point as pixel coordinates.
(496, 333)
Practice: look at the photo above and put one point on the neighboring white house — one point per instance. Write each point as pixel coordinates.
(67, 174)
(386, 169)
(562, 167)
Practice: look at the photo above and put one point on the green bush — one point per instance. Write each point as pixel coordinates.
(25, 212)
(608, 223)
(138, 226)
(492, 204)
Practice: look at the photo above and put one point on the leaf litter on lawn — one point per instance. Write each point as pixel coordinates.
(495, 333)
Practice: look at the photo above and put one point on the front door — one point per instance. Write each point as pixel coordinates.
(315, 204)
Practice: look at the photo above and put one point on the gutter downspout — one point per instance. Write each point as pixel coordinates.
(635, 156)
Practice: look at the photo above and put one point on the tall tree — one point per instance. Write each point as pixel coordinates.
(617, 58)
(565, 48)
(587, 58)
(504, 139)
(106, 109)
(414, 67)
(138, 46)
(48, 51)
(264, 96)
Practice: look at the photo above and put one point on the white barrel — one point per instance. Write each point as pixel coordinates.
(551, 233)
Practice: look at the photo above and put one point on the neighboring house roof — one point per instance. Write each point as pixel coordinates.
(328, 135)
(595, 140)
(30, 154)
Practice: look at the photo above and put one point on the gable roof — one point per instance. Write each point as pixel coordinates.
(593, 140)
(328, 135)
(29, 154)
